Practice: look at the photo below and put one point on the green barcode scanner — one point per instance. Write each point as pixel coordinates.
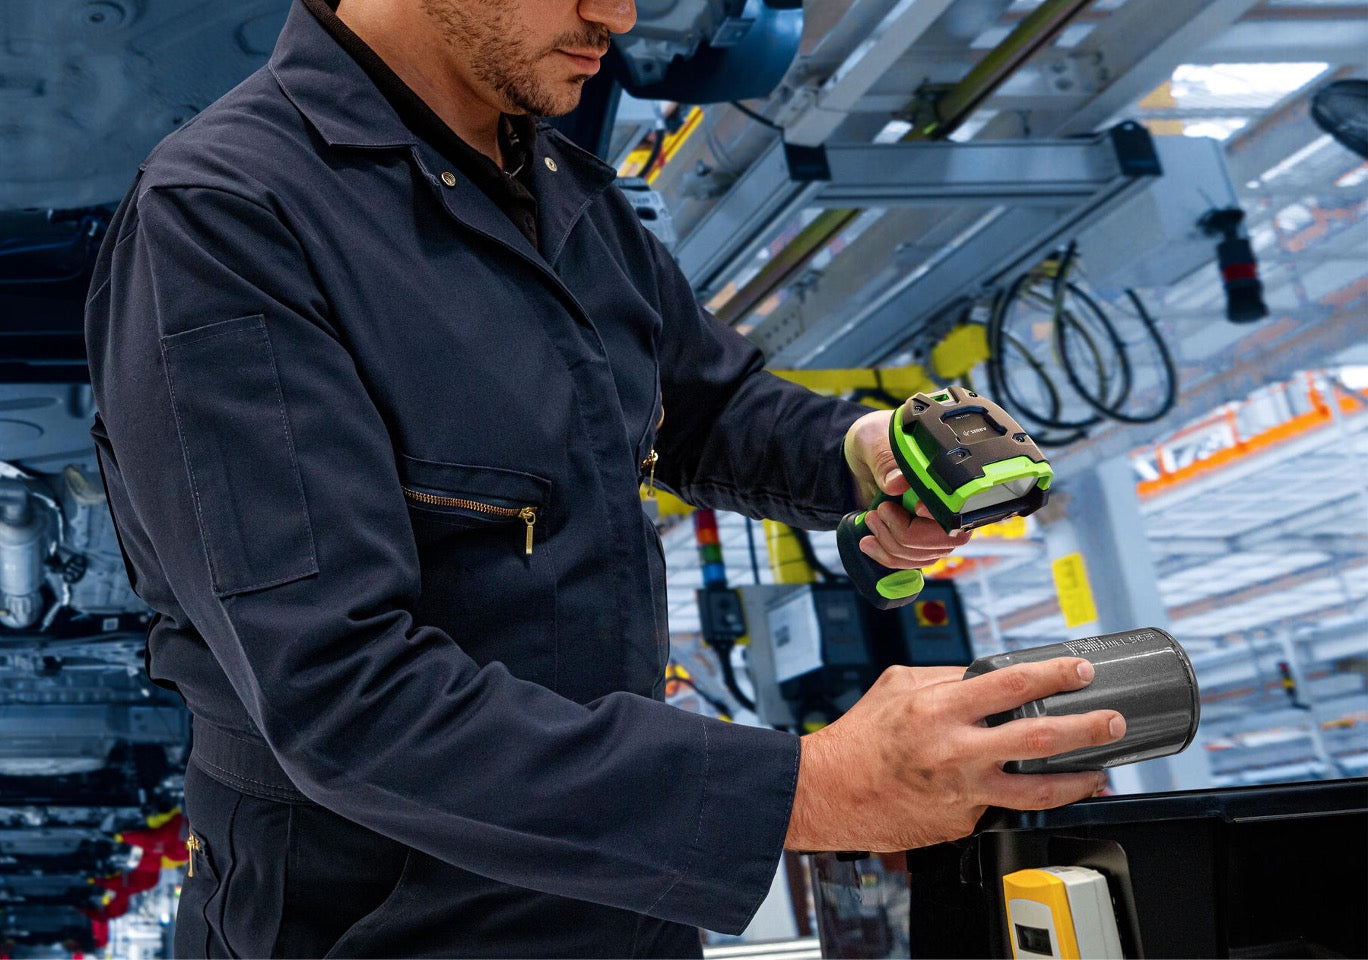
(968, 461)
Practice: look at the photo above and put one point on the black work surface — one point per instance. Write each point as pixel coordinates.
(1270, 871)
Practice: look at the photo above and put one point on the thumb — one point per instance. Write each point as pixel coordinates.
(871, 459)
(891, 479)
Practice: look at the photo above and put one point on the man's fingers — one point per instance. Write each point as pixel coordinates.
(918, 531)
(904, 560)
(1031, 738)
(1001, 690)
(1040, 791)
(894, 483)
(899, 541)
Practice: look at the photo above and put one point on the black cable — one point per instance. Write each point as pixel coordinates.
(724, 649)
(1073, 312)
(657, 145)
(1113, 409)
(1165, 358)
(750, 542)
(758, 118)
(1043, 439)
(879, 393)
(1064, 319)
(810, 557)
(1001, 385)
(998, 340)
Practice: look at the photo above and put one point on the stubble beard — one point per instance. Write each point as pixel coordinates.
(501, 60)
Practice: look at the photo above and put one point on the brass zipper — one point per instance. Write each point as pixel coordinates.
(650, 464)
(527, 515)
(193, 845)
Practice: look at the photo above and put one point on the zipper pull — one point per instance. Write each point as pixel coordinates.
(649, 464)
(191, 846)
(529, 517)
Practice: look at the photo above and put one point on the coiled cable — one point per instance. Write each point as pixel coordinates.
(1086, 345)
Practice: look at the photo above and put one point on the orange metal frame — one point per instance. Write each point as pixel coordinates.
(1320, 415)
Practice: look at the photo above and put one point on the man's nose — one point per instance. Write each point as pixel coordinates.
(617, 15)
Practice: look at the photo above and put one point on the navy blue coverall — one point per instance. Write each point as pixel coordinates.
(339, 395)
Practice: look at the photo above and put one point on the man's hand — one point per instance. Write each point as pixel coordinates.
(900, 540)
(912, 763)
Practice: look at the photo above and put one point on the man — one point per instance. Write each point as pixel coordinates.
(380, 366)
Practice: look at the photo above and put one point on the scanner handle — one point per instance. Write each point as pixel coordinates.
(884, 587)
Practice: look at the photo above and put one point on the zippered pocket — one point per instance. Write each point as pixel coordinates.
(463, 495)
(526, 513)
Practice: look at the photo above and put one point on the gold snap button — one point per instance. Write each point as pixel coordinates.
(449, 178)
(550, 164)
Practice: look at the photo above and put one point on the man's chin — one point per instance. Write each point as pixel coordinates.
(552, 100)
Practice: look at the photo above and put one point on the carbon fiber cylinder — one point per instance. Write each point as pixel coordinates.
(1143, 674)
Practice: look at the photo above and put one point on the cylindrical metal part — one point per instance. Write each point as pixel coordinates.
(23, 543)
(1143, 674)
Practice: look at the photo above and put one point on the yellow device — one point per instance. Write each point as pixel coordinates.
(1061, 912)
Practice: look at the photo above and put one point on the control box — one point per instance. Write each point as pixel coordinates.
(814, 649)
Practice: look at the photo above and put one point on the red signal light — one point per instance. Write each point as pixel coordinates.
(931, 613)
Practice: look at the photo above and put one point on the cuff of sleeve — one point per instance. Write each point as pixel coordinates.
(847, 485)
(749, 779)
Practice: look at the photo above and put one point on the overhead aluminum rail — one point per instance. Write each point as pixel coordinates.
(1068, 178)
(1009, 238)
(1016, 172)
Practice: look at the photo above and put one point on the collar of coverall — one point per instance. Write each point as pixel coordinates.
(343, 104)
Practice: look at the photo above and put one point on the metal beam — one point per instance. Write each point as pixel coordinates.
(1139, 45)
(1003, 242)
(1037, 30)
(761, 199)
(1008, 172)
(1040, 27)
(1329, 40)
(997, 236)
(842, 92)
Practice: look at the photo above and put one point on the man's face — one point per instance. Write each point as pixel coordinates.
(529, 56)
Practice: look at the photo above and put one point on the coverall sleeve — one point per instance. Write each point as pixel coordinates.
(735, 436)
(255, 471)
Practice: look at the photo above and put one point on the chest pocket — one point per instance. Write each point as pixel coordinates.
(454, 496)
(489, 574)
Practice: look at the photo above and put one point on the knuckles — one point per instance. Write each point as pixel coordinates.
(1041, 741)
(1015, 682)
(1043, 797)
(900, 677)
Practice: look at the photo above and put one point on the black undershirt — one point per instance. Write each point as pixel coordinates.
(509, 189)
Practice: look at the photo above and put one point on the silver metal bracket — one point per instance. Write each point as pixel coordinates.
(1017, 172)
